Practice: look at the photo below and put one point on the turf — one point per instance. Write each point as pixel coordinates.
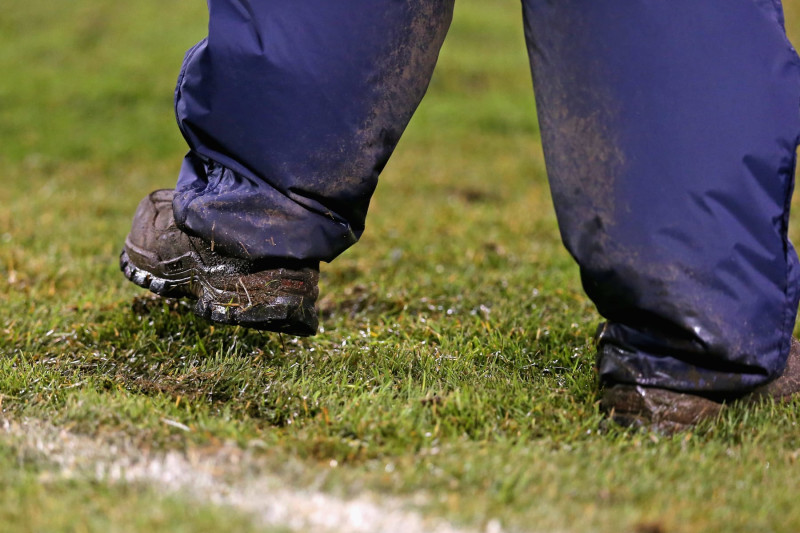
(454, 366)
(33, 500)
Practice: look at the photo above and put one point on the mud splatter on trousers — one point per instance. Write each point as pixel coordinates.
(669, 130)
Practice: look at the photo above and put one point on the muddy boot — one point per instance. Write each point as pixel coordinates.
(274, 296)
(660, 410)
(667, 411)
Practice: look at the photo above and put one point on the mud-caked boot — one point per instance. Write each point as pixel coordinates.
(661, 410)
(274, 295)
(668, 411)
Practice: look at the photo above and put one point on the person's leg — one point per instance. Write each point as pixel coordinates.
(669, 130)
(291, 110)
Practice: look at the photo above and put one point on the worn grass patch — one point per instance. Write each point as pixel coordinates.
(455, 362)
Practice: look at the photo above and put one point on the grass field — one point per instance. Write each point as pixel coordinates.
(454, 369)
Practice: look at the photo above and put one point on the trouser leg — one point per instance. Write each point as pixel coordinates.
(669, 129)
(291, 109)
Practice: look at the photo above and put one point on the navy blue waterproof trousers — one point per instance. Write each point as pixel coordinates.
(669, 130)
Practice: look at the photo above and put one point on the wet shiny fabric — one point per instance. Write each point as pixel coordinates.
(291, 110)
(669, 129)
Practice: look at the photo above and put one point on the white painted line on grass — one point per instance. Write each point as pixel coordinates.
(220, 478)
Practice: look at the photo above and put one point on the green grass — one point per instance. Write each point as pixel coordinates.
(456, 359)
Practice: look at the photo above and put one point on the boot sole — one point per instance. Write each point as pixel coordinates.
(266, 308)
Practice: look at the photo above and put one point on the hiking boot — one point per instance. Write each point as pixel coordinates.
(661, 410)
(668, 411)
(275, 295)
